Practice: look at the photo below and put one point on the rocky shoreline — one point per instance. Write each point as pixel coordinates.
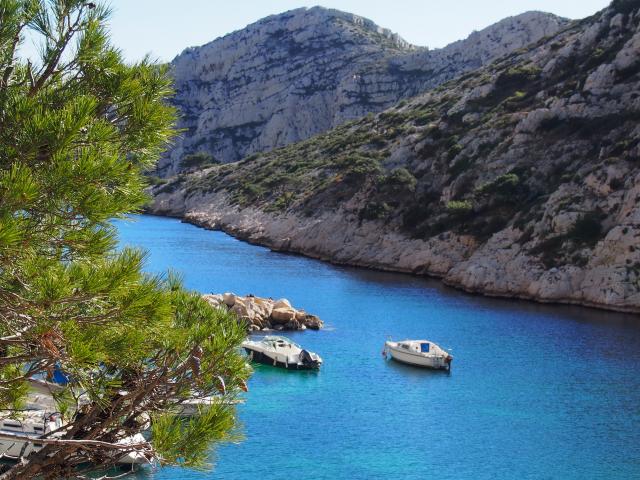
(520, 180)
(265, 314)
(496, 269)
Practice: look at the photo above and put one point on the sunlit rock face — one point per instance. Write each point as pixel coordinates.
(520, 179)
(290, 76)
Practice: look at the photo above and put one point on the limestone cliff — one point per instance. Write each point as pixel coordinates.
(294, 75)
(520, 179)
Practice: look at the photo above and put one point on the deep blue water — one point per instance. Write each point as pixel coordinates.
(536, 392)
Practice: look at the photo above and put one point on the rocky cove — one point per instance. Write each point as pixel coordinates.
(520, 179)
(264, 313)
(521, 368)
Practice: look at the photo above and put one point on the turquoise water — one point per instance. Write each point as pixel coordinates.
(536, 392)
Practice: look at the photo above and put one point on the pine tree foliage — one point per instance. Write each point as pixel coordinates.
(78, 127)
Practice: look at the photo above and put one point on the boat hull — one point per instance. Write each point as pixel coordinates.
(260, 357)
(424, 361)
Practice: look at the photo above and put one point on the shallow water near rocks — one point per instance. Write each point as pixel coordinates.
(536, 391)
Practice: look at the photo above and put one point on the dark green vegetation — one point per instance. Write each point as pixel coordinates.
(513, 145)
(77, 129)
(197, 160)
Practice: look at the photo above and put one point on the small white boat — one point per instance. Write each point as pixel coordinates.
(134, 457)
(281, 352)
(30, 424)
(421, 353)
(40, 417)
(191, 407)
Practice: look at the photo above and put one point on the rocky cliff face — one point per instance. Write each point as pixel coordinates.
(294, 75)
(520, 179)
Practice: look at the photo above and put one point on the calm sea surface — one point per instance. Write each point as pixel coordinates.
(536, 392)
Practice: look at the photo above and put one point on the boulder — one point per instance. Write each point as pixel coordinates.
(283, 315)
(229, 299)
(241, 310)
(213, 300)
(313, 322)
(292, 325)
(282, 303)
(261, 308)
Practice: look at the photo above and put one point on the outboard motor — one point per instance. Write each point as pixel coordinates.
(308, 359)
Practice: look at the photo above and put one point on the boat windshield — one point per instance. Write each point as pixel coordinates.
(278, 341)
(424, 347)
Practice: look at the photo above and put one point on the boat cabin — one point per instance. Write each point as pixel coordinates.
(419, 346)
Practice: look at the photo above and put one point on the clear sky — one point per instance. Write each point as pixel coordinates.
(165, 27)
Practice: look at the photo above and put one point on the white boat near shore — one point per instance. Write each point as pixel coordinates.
(30, 424)
(420, 353)
(192, 406)
(41, 417)
(281, 352)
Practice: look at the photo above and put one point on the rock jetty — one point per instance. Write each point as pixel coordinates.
(265, 313)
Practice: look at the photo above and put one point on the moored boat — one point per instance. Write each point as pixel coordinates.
(281, 352)
(420, 353)
(28, 424)
(192, 406)
(41, 419)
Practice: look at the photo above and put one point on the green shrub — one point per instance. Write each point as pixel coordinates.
(251, 191)
(401, 177)
(459, 206)
(153, 180)
(359, 165)
(587, 229)
(378, 141)
(282, 202)
(197, 160)
(461, 166)
(549, 250)
(517, 76)
(453, 151)
(423, 118)
(503, 185)
(375, 211)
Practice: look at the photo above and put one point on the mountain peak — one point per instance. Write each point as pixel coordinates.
(295, 74)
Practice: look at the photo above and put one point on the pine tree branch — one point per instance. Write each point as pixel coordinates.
(141, 447)
(50, 67)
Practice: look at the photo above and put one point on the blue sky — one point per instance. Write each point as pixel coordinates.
(165, 27)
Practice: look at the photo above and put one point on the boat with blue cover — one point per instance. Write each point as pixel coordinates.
(420, 353)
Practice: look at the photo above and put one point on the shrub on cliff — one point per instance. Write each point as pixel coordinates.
(358, 165)
(197, 160)
(401, 178)
(459, 207)
(503, 185)
(78, 126)
(375, 211)
(587, 229)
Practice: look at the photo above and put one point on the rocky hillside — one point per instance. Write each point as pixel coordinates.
(294, 75)
(521, 179)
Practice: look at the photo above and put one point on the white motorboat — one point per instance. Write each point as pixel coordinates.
(192, 406)
(29, 424)
(281, 352)
(421, 353)
(134, 457)
(40, 417)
